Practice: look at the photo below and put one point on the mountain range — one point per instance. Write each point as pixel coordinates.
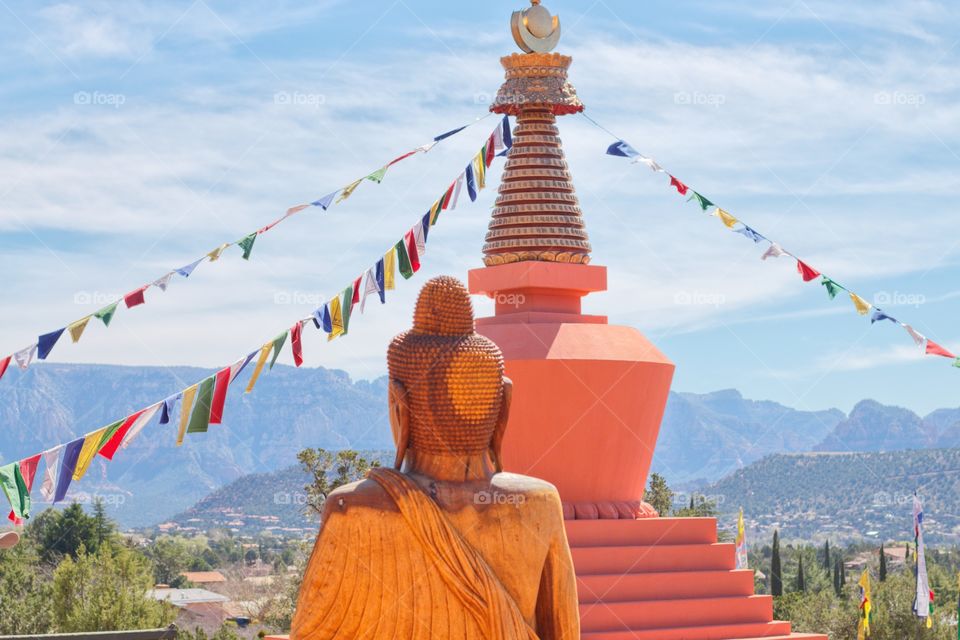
(704, 437)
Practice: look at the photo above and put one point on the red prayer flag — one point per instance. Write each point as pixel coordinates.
(396, 160)
(135, 298)
(933, 349)
(356, 292)
(3, 365)
(681, 188)
(444, 201)
(412, 251)
(28, 469)
(109, 449)
(491, 150)
(808, 272)
(220, 393)
(296, 344)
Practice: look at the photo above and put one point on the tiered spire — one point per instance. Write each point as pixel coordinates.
(537, 215)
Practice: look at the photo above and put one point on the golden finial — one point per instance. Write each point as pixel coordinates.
(534, 29)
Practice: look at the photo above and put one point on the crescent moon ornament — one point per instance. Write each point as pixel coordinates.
(534, 29)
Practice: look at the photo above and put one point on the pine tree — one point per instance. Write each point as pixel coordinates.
(826, 556)
(843, 573)
(776, 580)
(836, 577)
(883, 564)
(801, 582)
(658, 495)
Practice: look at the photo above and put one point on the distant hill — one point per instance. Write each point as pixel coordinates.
(704, 437)
(846, 496)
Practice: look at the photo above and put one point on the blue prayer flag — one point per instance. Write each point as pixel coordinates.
(67, 465)
(471, 183)
(380, 275)
(46, 341)
(446, 135)
(187, 270)
(622, 149)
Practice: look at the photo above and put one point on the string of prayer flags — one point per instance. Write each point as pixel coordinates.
(203, 403)
(622, 148)
(137, 296)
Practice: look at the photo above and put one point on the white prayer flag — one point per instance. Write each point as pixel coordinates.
(774, 251)
(918, 337)
(25, 356)
(419, 238)
(650, 162)
(370, 286)
(51, 460)
(139, 424)
(164, 281)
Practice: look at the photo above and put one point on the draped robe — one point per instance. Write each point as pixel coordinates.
(471, 561)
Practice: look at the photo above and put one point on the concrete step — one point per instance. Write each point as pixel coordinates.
(667, 585)
(661, 558)
(661, 614)
(648, 531)
(744, 631)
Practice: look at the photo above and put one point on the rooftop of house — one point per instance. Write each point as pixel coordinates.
(184, 597)
(203, 577)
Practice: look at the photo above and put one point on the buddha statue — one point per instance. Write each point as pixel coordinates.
(444, 545)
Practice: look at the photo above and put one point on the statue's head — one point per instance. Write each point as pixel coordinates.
(448, 394)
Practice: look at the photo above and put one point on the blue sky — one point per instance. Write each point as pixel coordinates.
(831, 127)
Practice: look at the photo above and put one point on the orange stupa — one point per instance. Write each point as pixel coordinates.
(589, 396)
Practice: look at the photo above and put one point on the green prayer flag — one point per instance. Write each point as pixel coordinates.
(247, 244)
(200, 418)
(832, 287)
(112, 429)
(377, 176)
(702, 201)
(956, 363)
(15, 487)
(278, 343)
(403, 260)
(106, 314)
(347, 307)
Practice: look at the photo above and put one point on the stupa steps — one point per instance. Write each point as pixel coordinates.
(648, 531)
(667, 585)
(647, 558)
(666, 614)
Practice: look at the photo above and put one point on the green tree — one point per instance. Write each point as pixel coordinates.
(801, 582)
(107, 591)
(658, 495)
(883, 564)
(171, 557)
(776, 578)
(103, 527)
(25, 592)
(329, 472)
(837, 588)
(826, 556)
(64, 533)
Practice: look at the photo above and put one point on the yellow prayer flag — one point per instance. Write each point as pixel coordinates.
(866, 605)
(435, 211)
(264, 354)
(76, 329)
(348, 190)
(336, 318)
(215, 254)
(480, 169)
(863, 307)
(185, 407)
(389, 269)
(726, 218)
(91, 444)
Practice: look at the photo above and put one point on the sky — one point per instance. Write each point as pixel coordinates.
(137, 136)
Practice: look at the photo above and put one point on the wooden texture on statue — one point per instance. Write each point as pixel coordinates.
(445, 546)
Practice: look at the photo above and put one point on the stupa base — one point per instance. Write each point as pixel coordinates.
(666, 579)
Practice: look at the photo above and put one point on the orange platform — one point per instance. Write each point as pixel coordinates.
(587, 405)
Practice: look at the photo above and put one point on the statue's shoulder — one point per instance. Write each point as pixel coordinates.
(363, 493)
(525, 485)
